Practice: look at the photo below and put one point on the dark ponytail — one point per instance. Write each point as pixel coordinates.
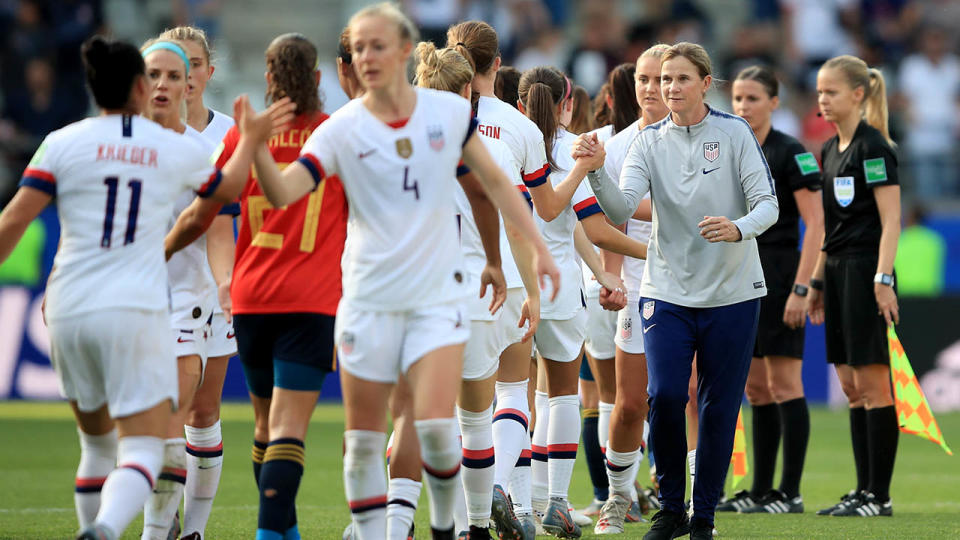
(622, 87)
(111, 68)
(763, 75)
(541, 89)
(292, 63)
(506, 85)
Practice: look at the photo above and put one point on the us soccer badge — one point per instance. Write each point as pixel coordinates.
(711, 151)
(435, 134)
(404, 147)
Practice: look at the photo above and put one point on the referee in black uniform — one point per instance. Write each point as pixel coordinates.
(861, 202)
(774, 385)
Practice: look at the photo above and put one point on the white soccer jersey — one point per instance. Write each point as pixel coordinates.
(499, 121)
(217, 127)
(115, 179)
(402, 251)
(604, 133)
(192, 289)
(558, 235)
(474, 258)
(639, 230)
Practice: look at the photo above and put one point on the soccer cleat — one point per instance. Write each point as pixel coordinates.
(701, 529)
(612, 515)
(740, 502)
(868, 506)
(558, 521)
(477, 533)
(95, 532)
(578, 517)
(776, 502)
(508, 526)
(592, 509)
(348, 532)
(538, 522)
(175, 527)
(668, 525)
(191, 536)
(852, 498)
(635, 514)
(528, 525)
(653, 502)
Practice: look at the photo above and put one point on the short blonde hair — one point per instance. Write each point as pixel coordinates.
(696, 54)
(441, 69)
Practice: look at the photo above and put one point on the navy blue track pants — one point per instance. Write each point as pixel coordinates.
(722, 338)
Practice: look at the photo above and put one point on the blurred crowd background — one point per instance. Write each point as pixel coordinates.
(914, 42)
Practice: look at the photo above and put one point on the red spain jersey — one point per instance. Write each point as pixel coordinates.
(288, 259)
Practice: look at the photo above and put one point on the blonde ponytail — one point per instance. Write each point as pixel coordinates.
(441, 69)
(875, 109)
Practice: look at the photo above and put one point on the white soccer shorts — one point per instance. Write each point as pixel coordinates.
(629, 336)
(220, 336)
(123, 358)
(561, 341)
(381, 345)
(601, 327)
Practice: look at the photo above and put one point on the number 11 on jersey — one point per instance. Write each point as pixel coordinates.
(112, 183)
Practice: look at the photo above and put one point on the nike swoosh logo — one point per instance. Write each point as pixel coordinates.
(647, 328)
(230, 335)
(362, 155)
(181, 340)
(705, 171)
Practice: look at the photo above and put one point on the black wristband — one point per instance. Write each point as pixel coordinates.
(816, 284)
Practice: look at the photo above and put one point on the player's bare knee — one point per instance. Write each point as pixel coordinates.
(633, 409)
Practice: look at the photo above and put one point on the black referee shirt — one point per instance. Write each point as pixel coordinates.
(793, 169)
(850, 212)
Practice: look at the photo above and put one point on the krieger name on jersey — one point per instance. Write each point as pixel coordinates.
(134, 155)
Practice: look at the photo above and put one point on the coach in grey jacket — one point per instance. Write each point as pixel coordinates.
(712, 194)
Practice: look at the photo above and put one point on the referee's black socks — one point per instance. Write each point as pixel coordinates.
(795, 426)
(883, 433)
(861, 455)
(766, 440)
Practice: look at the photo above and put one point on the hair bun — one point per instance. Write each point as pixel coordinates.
(96, 50)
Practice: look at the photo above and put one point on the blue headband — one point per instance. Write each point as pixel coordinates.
(172, 47)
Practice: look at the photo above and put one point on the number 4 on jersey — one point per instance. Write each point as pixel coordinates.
(407, 186)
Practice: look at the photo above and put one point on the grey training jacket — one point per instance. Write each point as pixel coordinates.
(713, 168)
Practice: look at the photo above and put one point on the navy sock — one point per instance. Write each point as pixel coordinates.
(766, 440)
(279, 482)
(257, 456)
(594, 456)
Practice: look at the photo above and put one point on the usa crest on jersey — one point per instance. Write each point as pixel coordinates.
(711, 151)
(435, 135)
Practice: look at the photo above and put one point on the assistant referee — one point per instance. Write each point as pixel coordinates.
(861, 205)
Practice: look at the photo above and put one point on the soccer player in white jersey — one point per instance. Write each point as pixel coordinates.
(202, 426)
(395, 150)
(544, 94)
(115, 178)
(191, 293)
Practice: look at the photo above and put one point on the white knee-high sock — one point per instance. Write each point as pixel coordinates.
(365, 482)
(478, 463)
(510, 424)
(540, 483)
(402, 499)
(562, 443)
(520, 481)
(98, 458)
(692, 463)
(603, 424)
(441, 456)
(128, 486)
(204, 465)
(162, 506)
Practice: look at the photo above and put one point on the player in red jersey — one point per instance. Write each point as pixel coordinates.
(285, 290)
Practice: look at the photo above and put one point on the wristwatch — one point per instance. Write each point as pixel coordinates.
(883, 279)
(800, 289)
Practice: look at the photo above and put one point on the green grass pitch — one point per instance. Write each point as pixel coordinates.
(39, 452)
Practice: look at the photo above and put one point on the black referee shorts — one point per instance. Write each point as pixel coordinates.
(774, 338)
(856, 332)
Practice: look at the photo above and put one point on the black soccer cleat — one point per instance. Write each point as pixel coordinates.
(477, 533)
(776, 502)
(668, 525)
(442, 534)
(741, 501)
(868, 506)
(852, 498)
